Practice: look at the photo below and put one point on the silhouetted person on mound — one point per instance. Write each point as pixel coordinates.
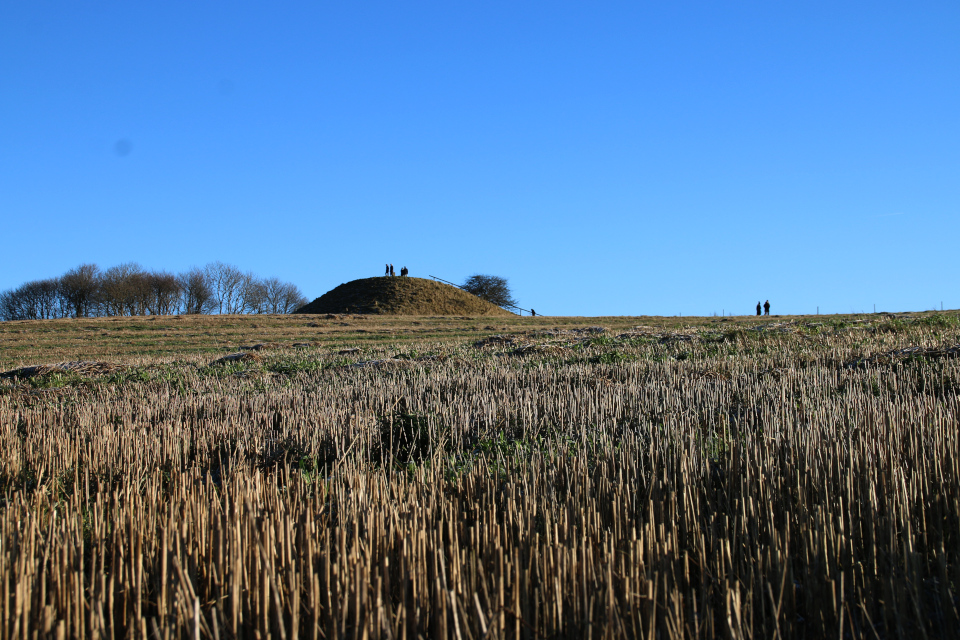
(388, 273)
(758, 308)
(391, 271)
(766, 308)
(533, 314)
(404, 272)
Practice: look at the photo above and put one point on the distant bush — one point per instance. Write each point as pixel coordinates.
(490, 288)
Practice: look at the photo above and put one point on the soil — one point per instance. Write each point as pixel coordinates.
(401, 296)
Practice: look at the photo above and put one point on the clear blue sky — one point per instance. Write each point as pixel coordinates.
(612, 158)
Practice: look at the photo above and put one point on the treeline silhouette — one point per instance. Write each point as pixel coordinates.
(131, 290)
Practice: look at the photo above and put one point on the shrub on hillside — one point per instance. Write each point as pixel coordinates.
(490, 288)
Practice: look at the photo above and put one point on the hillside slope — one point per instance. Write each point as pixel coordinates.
(402, 297)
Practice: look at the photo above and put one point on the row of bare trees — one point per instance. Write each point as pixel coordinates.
(130, 290)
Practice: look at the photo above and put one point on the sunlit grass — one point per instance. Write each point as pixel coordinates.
(651, 478)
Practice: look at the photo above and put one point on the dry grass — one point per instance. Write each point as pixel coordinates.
(83, 368)
(655, 479)
(135, 340)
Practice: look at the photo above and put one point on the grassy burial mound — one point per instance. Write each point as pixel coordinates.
(402, 297)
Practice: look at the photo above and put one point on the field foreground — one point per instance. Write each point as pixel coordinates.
(471, 478)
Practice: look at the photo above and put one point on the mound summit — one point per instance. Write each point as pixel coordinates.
(400, 296)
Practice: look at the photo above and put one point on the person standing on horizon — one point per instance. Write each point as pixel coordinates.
(766, 308)
(758, 308)
(388, 273)
(391, 271)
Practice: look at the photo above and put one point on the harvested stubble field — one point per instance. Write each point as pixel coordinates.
(480, 478)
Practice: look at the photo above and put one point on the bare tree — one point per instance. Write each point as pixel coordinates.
(165, 293)
(36, 300)
(226, 281)
(128, 289)
(119, 290)
(197, 294)
(282, 297)
(490, 288)
(141, 294)
(9, 305)
(44, 297)
(253, 295)
(79, 288)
